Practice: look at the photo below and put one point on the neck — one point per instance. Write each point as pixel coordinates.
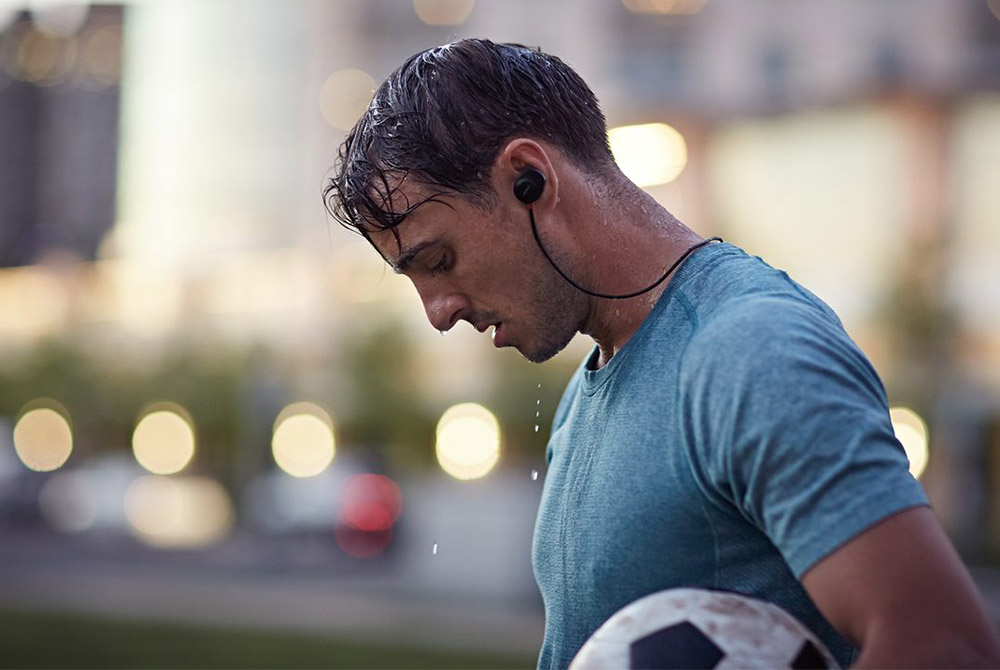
(637, 242)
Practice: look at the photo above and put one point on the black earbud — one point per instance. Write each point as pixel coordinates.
(529, 186)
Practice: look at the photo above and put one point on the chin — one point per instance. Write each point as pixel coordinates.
(542, 353)
(537, 357)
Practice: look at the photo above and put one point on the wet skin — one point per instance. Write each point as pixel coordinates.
(483, 267)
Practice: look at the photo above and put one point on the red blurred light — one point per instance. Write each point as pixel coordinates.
(371, 503)
(369, 517)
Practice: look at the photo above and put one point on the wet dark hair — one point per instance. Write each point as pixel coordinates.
(442, 118)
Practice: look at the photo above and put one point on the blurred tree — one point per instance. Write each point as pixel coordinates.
(104, 401)
(524, 389)
(386, 407)
(920, 324)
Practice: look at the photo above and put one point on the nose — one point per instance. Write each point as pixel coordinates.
(443, 308)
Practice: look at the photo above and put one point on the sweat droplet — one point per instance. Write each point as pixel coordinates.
(539, 386)
(534, 475)
(537, 413)
(536, 427)
(538, 402)
(434, 549)
(442, 332)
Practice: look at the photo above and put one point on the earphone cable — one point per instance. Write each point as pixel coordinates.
(690, 250)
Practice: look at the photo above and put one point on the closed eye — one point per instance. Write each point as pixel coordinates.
(442, 266)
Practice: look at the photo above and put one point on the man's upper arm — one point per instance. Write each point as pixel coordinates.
(789, 424)
(900, 592)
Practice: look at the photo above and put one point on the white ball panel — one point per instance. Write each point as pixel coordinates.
(751, 633)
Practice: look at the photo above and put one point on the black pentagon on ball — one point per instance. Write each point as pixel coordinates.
(809, 658)
(679, 646)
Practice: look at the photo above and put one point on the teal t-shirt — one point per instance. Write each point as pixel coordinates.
(735, 440)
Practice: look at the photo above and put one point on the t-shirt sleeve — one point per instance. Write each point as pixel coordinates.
(787, 424)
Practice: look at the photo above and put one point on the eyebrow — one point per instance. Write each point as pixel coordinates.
(399, 267)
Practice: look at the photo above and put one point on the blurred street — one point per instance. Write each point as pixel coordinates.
(245, 584)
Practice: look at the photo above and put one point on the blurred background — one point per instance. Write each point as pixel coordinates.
(229, 437)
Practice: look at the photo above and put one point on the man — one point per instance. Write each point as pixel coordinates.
(725, 432)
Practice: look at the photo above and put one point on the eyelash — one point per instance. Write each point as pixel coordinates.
(439, 268)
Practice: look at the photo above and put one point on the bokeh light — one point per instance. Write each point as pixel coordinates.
(649, 153)
(344, 96)
(468, 441)
(368, 510)
(100, 57)
(303, 443)
(994, 6)
(371, 503)
(163, 440)
(664, 6)
(44, 60)
(443, 12)
(911, 431)
(178, 512)
(43, 438)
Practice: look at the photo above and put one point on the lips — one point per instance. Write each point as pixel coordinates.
(498, 335)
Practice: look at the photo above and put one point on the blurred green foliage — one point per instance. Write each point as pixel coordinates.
(920, 324)
(104, 399)
(367, 380)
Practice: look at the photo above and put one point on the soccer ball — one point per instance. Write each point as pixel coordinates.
(695, 628)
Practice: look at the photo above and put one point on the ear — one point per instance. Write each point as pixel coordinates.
(517, 156)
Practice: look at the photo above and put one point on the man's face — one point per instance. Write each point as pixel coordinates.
(485, 268)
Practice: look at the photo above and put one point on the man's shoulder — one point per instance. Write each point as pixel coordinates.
(735, 288)
(778, 317)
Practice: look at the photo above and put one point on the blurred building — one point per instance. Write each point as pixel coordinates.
(834, 139)
(58, 131)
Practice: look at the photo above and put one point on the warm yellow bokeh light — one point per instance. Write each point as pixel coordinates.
(649, 153)
(344, 96)
(163, 441)
(303, 444)
(468, 441)
(178, 512)
(911, 431)
(43, 439)
(443, 12)
(994, 6)
(664, 6)
(101, 55)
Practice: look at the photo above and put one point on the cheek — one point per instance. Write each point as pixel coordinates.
(498, 269)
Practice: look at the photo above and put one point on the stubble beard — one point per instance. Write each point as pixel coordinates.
(557, 309)
(560, 311)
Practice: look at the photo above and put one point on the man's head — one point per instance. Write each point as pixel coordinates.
(432, 140)
(444, 115)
